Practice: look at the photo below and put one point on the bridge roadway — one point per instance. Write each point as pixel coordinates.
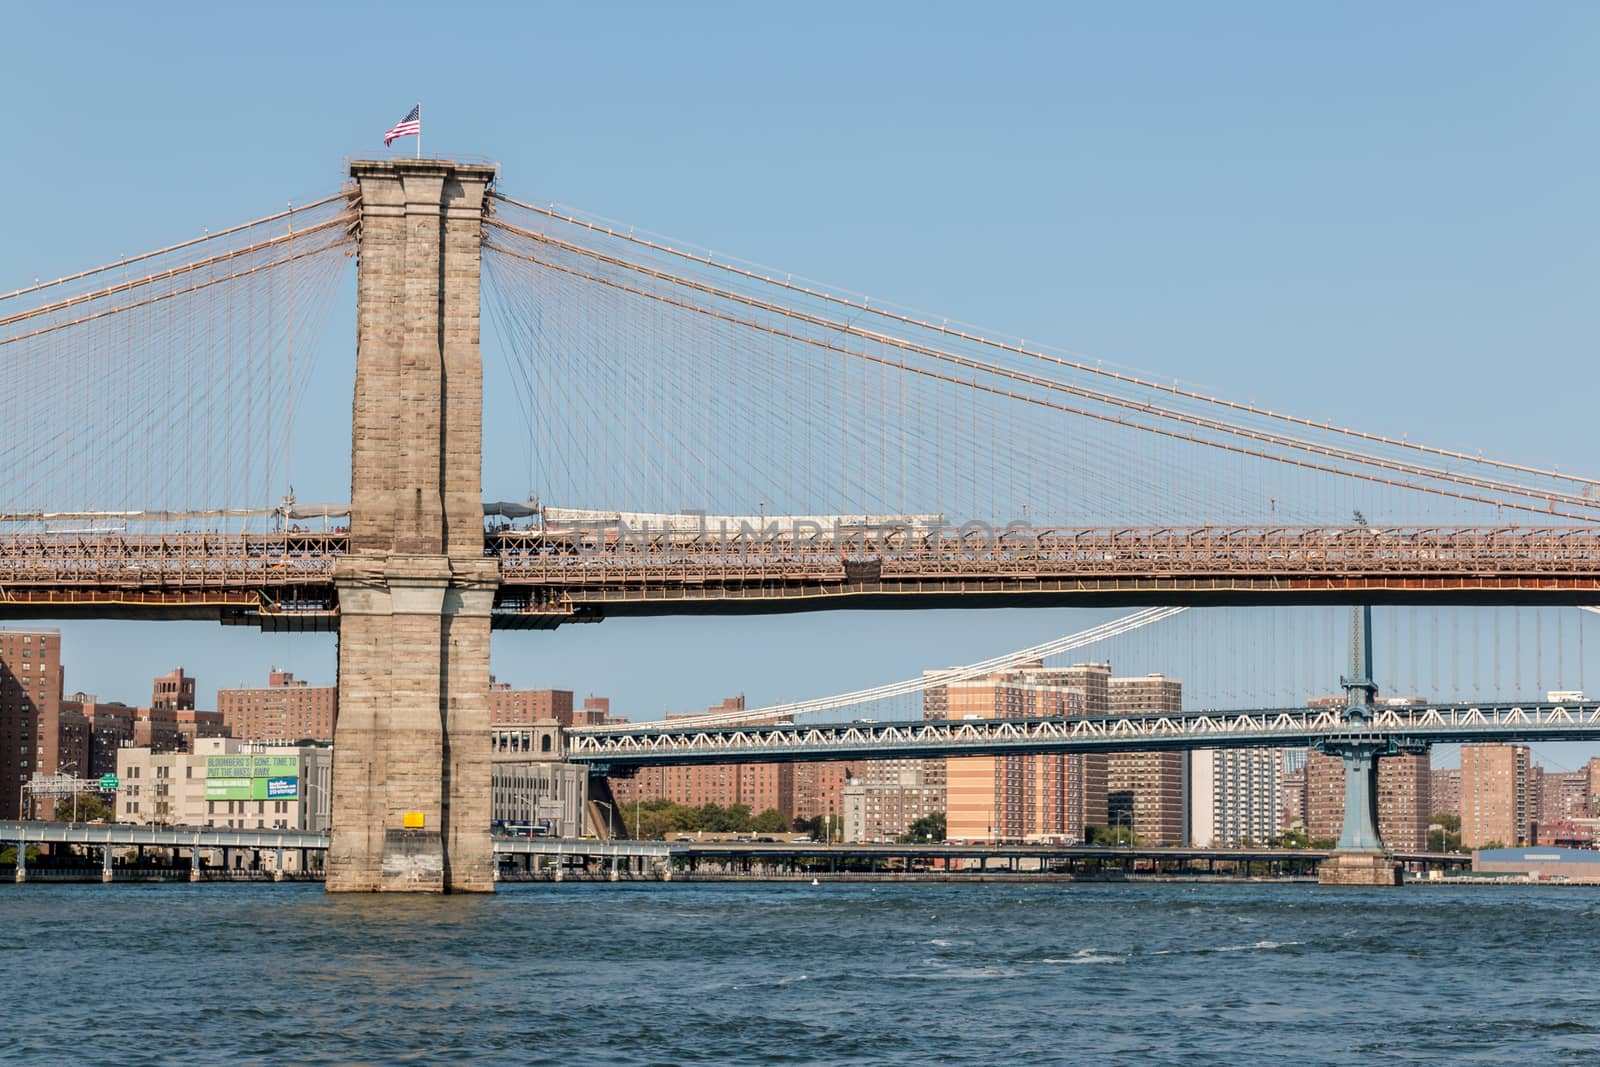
(119, 835)
(285, 580)
(122, 836)
(1401, 727)
(955, 850)
(36, 832)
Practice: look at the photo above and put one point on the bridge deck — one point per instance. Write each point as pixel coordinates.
(1404, 727)
(285, 580)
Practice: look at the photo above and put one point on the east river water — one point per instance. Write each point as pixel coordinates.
(796, 974)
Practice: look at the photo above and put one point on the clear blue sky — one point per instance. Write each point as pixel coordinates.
(1375, 212)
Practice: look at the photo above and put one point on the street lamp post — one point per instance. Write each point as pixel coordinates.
(610, 833)
(72, 765)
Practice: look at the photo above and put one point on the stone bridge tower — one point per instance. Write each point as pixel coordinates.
(411, 748)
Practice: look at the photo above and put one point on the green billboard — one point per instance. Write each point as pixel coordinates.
(252, 777)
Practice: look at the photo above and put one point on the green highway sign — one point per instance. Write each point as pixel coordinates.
(109, 782)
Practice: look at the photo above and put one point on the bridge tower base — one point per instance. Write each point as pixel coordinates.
(1360, 857)
(411, 745)
(1359, 868)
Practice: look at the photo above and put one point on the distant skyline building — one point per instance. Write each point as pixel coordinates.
(1032, 797)
(1563, 795)
(522, 707)
(1494, 795)
(884, 807)
(1235, 796)
(110, 725)
(285, 709)
(31, 729)
(935, 707)
(1569, 833)
(1062, 796)
(1088, 770)
(1148, 791)
(596, 711)
(173, 691)
(1445, 792)
(176, 729)
(884, 797)
(819, 789)
(1404, 800)
(534, 788)
(758, 786)
(1292, 789)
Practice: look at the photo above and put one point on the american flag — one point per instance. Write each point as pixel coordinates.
(410, 126)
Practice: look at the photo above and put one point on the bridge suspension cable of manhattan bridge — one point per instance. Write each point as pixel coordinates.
(929, 680)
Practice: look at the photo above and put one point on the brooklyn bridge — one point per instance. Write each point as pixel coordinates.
(784, 447)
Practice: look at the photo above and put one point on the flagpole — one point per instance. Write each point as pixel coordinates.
(419, 129)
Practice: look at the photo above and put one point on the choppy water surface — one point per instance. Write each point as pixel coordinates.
(836, 974)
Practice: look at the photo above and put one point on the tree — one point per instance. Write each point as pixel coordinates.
(1492, 844)
(1442, 840)
(1323, 843)
(660, 817)
(770, 821)
(1109, 835)
(1291, 838)
(1447, 820)
(90, 806)
(733, 819)
(930, 827)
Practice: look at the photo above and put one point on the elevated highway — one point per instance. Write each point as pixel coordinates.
(663, 852)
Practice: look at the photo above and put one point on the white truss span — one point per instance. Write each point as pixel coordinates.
(1406, 726)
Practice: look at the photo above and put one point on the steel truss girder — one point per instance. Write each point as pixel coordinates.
(1391, 729)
